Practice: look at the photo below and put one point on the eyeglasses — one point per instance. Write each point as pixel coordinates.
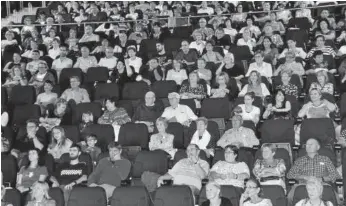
(251, 187)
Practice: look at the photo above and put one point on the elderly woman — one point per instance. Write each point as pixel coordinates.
(193, 89)
(89, 36)
(85, 61)
(40, 196)
(279, 108)
(251, 195)
(202, 138)
(255, 85)
(162, 140)
(286, 86)
(211, 55)
(39, 78)
(177, 73)
(229, 171)
(314, 188)
(290, 65)
(238, 135)
(248, 110)
(223, 88)
(30, 173)
(47, 97)
(60, 144)
(75, 93)
(268, 170)
(138, 31)
(198, 44)
(203, 72)
(213, 192)
(323, 83)
(247, 40)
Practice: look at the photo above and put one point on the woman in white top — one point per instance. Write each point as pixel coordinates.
(47, 97)
(133, 60)
(229, 171)
(255, 85)
(54, 52)
(177, 73)
(202, 137)
(229, 30)
(314, 188)
(248, 110)
(298, 51)
(246, 40)
(250, 197)
(9, 40)
(198, 44)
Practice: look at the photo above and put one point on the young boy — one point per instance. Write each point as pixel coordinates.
(90, 147)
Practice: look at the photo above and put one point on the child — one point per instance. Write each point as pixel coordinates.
(318, 63)
(87, 119)
(89, 147)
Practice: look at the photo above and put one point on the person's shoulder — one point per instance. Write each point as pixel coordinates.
(267, 201)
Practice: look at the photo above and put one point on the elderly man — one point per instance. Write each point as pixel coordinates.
(89, 36)
(188, 171)
(206, 31)
(76, 93)
(85, 61)
(238, 135)
(177, 112)
(148, 111)
(110, 171)
(186, 55)
(312, 165)
(109, 61)
(62, 62)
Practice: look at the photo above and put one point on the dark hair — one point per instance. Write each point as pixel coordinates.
(250, 17)
(112, 99)
(320, 36)
(34, 121)
(234, 149)
(114, 145)
(91, 136)
(49, 82)
(63, 46)
(260, 193)
(74, 145)
(272, 45)
(317, 52)
(319, 22)
(250, 94)
(39, 158)
(274, 97)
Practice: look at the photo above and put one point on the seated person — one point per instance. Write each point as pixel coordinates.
(148, 111)
(221, 39)
(85, 61)
(270, 171)
(255, 86)
(193, 89)
(89, 146)
(323, 83)
(247, 40)
(54, 52)
(110, 171)
(59, 144)
(238, 135)
(32, 66)
(286, 86)
(109, 61)
(230, 171)
(202, 138)
(270, 51)
(188, 171)
(186, 55)
(203, 71)
(228, 65)
(210, 55)
(38, 79)
(16, 77)
(75, 93)
(214, 197)
(247, 110)
(133, 60)
(290, 65)
(89, 36)
(278, 108)
(318, 63)
(276, 38)
(251, 197)
(264, 68)
(177, 73)
(151, 73)
(162, 140)
(320, 45)
(298, 51)
(47, 97)
(223, 88)
(254, 30)
(62, 62)
(324, 29)
(198, 44)
(206, 31)
(9, 35)
(121, 74)
(40, 195)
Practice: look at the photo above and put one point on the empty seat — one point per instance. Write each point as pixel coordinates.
(72, 132)
(320, 128)
(127, 105)
(135, 90)
(175, 195)
(176, 129)
(87, 196)
(97, 74)
(327, 195)
(283, 132)
(13, 197)
(215, 108)
(132, 134)
(21, 95)
(106, 90)
(56, 194)
(190, 103)
(9, 169)
(103, 132)
(94, 107)
(135, 195)
(25, 112)
(163, 88)
(228, 191)
(275, 193)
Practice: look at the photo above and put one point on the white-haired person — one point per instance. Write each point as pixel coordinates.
(40, 196)
(178, 112)
(213, 192)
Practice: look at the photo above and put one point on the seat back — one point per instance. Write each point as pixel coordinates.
(227, 191)
(135, 195)
(244, 155)
(97, 74)
(320, 128)
(283, 132)
(275, 193)
(190, 103)
(280, 153)
(132, 134)
(4, 96)
(21, 95)
(163, 88)
(209, 110)
(9, 169)
(106, 90)
(135, 90)
(175, 195)
(13, 197)
(66, 73)
(152, 161)
(57, 195)
(87, 196)
(177, 130)
(103, 132)
(25, 112)
(94, 107)
(343, 105)
(327, 195)
(72, 132)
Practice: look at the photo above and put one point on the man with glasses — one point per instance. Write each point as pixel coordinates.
(188, 171)
(62, 62)
(206, 31)
(111, 170)
(76, 93)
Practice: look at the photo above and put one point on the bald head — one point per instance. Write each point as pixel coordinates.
(312, 146)
(150, 98)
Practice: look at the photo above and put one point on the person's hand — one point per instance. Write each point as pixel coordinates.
(69, 186)
(225, 90)
(274, 109)
(244, 196)
(17, 78)
(127, 62)
(55, 184)
(223, 176)
(186, 123)
(93, 185)
(159, 182)
(31, 135)
(83, 143)
(22, 189)
(194, 159)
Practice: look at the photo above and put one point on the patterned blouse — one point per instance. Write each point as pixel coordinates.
(223, 167)
(119, 116)
(165, 143)
(327, 88)
(278, 164)
(289, 89)
(199, 90)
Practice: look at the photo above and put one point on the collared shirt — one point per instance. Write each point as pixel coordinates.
(61, 63)
(319, 166)
(110, 63)
(182, 113)
(79, 95)
(177, 76)
(201, 142)
(184, 172)
(85, 63)
(223, 167)
(243, 136)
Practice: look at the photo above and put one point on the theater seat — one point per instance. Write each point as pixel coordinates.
(275, 193)
(283, 132)
(320, 128)
(228, 191)
(106, 90)
(87, 196)
(21, 95)
(327, 195)
(215, 108)
(97, 74)
(244, 155)
(135, 90)
(103, 132)
(72, 132)
(25, 112)
(163, 88)
(66, 73)
(56, 194)
(280, 153)
(13, 197)
(134, 195)
(175, 195)
(9, 169)
(176, 129)
(94, 107)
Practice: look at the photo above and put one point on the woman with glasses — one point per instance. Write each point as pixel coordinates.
(41, 77)
(251, 195)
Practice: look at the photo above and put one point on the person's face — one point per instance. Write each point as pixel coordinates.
(160, 126)
(321, 78)
(320, 42)
(149, 99)
(61, 108)
(201, 64)
(267, 153)
(313, 192)
(153, 63)
(28, 21)
(185, 45)
(236, 123)
(55, 44)
(252, 188)
(85, 52)
(33, 156)
(193, 77)
(176, 65)
(198, 37)
(42, 68)
(280, 97)
(266, 43)
(17, 71)
(91, 142)
(94, 9)
(211, 191)
(74, 153)
(204, 4)
(74, 83)
(285, 78)
(131, 53)
(324, 25)
(291, 44)
(50, 21)
(159, 47)
(31, 128)
(319, 58)
(16, 57)
(202, 23)
(229, 155)
(247, 34)
(188, 6)
(88, 30)
(173, 101)
(248, 100)
(57, 134)
(273, 16)
(221, 80)
(157, 29)
(290, 58)
(105, 43)
(258, 58)
(63, 51)
(268, 30)
(109, 105)
(240, 8)
(120, 65)
(9, 36)
(109, 53)
(253, 77)
(35, 55)
(201, 127)
(52, 33)
(228, 59)
(324, 14)
(85, 117)
(249, 22)
(33, 45)
(114, 153)
(219, 34)
(192, 151)
(312, 146)
(315, 95)
(266, 6)
(47, 87)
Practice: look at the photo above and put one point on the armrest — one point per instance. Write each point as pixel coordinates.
(256, 147)
(205, 181)
(167, 182)
(292, 182)
(339, 182)
(170, 164)
(298, 120)
(125, 183)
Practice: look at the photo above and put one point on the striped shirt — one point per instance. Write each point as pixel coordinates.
(327, 50)
(118, 116)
